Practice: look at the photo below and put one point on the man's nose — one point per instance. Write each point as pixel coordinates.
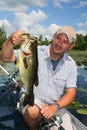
(60, 43)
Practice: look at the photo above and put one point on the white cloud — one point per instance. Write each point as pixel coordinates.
(23, 5)
(82, 24)
(31, 23)
(20, 5)
(59, 2)
(47, 32)
(83, 27)
(81, 4)
(36, 30)
(4, 23)
(7, 26)
(53, 28)
(82, 32)
(28, 20)
(84, 15)
(12, 6)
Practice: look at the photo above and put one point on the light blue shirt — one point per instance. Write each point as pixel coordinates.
(52, 84)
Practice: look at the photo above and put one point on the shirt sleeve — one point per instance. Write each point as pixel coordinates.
(72, 78)
(16, 54)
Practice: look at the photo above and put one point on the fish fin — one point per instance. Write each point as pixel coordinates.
(20, 84)
(28, 99)
(25, 62)
(17, 64)
(36, 81)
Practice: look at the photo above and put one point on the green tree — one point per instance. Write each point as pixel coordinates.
(85, 39)
(80, 42)
(40, 39)
(43, 41)
(2, 35)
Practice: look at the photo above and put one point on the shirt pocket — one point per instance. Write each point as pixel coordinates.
(42, 75)
(61, 81)
(60, 85)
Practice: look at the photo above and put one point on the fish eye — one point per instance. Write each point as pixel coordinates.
(32, 40)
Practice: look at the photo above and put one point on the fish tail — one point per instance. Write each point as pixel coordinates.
(28, 99)
(31, 100)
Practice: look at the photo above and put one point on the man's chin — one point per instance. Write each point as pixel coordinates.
(57, 53)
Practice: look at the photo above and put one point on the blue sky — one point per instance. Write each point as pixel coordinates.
(43, 16)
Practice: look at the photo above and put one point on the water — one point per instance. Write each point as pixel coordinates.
(81, 94)
(81, 89)
(82, 85)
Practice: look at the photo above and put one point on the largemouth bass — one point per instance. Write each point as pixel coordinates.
(28, 67)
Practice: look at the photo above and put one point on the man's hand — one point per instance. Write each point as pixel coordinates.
(15, 37)
(48, 111)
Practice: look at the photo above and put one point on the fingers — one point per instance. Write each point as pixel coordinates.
(46, 112)
(15, 37)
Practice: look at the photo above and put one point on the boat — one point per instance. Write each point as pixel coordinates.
(11, 118)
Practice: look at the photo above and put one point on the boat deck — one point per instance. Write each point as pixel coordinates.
(11, 120)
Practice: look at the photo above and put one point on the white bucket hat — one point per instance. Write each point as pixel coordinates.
(69, 31)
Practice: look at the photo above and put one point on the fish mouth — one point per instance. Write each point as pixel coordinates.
(26, 53)
(25, 50)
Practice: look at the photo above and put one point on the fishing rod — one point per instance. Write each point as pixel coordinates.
(6, 72)
(15, 93)
(56, 120)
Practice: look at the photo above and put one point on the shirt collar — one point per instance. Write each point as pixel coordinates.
(66, 57)
(47, 54)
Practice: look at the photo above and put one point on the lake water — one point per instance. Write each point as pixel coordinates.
(81, 92)
(81, 89)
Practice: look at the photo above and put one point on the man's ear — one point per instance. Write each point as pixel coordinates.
(71, 46)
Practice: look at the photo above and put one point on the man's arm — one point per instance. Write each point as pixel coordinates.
(68, 97)
(7, 53)
(50, 110)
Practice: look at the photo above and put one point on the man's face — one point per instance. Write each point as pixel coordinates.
(60, 43)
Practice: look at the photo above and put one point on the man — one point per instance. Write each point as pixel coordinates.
(57, 77)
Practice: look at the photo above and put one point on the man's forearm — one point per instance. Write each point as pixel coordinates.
(67, 98)
(7, 54)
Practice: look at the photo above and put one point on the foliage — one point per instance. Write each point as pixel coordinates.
(43, 41)
(80, 56)
(2, 35)
(80, 108)
(81, 41)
